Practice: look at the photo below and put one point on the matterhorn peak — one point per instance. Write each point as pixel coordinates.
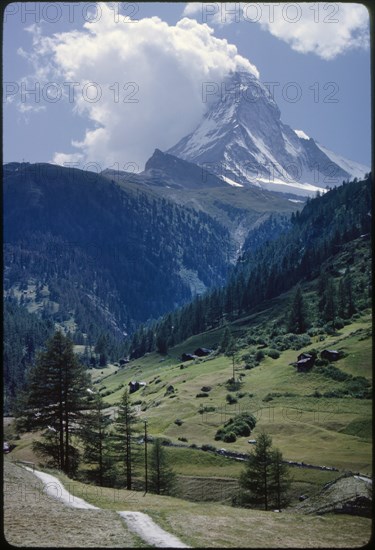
(242, 140)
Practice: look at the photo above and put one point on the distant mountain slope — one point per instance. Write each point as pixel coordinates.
(272, 266)
(239, 210)
(243, 140)
(100, 254)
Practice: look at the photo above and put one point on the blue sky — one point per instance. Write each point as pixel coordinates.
(149, 74)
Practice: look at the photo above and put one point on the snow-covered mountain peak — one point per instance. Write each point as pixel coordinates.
(242, 139)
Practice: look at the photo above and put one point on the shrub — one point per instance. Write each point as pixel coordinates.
(202, 394)
(206, 388)
(230, 399)
(259, 356)
(273, 353)
(178, 421)
(219, 434)
(333, 372)
(240, 425)
(242, 428)
(206, 408)
(182, 439)
(229, 437)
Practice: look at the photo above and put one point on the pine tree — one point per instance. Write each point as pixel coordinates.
(54, 399)
(256, 479)
(297, 319)
(101, 349)
(94, 434)
(162, 477)
(124, 430)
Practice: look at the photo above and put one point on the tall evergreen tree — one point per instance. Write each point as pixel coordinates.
(256, 479)
(266, 479)
(298, 319)
(124, 431)
(162, 477)
(95, 437)
(54, 399)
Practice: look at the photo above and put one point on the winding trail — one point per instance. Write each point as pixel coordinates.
(138, 522)
(148, 530)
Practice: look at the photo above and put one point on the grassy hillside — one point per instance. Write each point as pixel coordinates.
(329, 431)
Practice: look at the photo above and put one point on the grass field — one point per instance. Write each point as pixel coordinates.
(35, 520)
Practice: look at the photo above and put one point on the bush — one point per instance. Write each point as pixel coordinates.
(205, 409)
(182, 439)
(273, 353)
(339, 323)
(202, 394)
(250, 366)
(259, 356)
(333, 372)
(178, 421)
(240, 425)
(229, 437)
(242, 428)
(230, 399)
(206, 389)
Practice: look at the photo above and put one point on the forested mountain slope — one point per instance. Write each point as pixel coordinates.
(101, 255)
(317, 233)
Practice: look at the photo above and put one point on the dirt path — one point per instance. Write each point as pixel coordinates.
(139, 523)
(54, 488)
(148, 530)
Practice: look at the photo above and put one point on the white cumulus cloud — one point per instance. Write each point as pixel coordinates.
(139, 85)
(325, 29)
